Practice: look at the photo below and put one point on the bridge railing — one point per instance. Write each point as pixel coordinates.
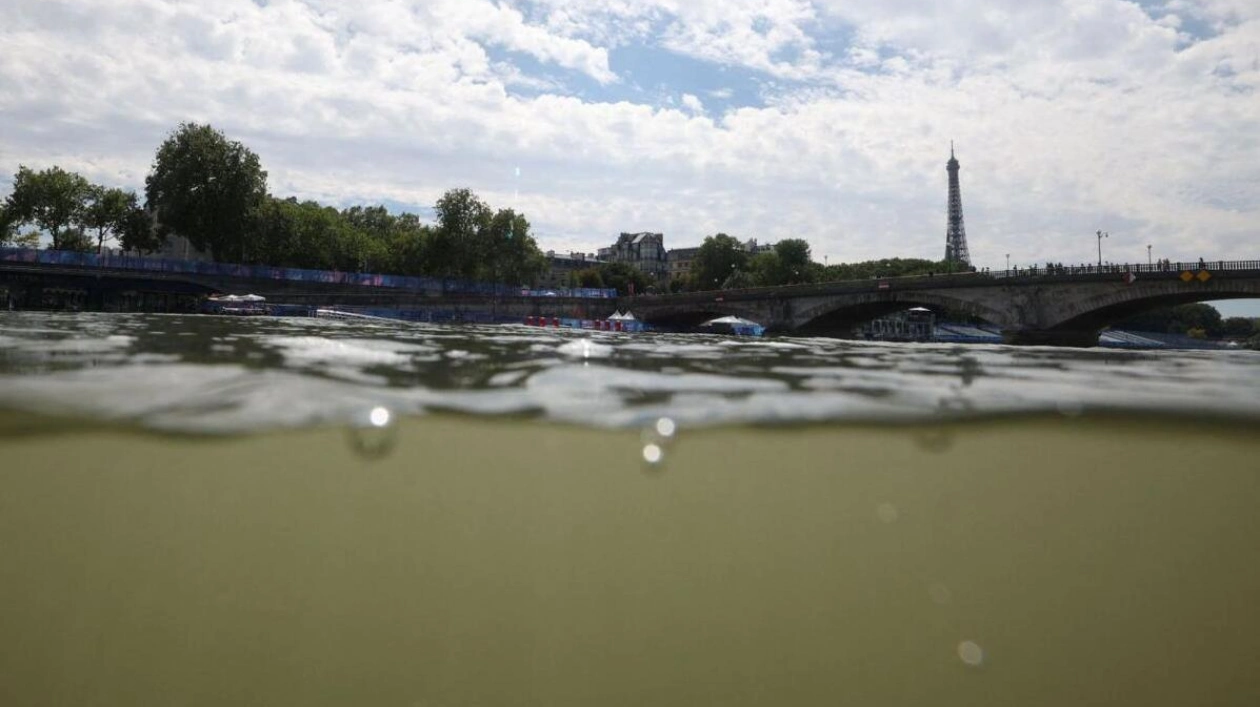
(428, 285)
(1166, 266)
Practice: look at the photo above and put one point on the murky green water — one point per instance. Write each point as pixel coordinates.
(202, 511)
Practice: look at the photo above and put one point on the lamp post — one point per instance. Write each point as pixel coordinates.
(1101, 236)
(1008, 262)
(1148, 255)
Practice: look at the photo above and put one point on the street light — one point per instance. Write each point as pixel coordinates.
(1101, 236)
(1148, 255)
(1008, 262)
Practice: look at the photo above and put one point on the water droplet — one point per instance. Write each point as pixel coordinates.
(373, 436)
(653, 454)
(971, 653)
(379, 417)
(665, 427)
(886, 512)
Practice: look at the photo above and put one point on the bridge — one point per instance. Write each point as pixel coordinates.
(43, 279)
(1067, 306)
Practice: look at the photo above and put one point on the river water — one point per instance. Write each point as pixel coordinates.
(201, 510)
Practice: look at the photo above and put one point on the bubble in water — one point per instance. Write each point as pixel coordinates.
(653, 454)
(886, 512)
(971, 653)
(373, 436)
(665, 427)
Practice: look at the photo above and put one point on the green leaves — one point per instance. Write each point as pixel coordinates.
(717, 260)
(206, 188)
(52, 199)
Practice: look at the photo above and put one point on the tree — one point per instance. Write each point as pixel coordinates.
(205, 188)
(460, 238)
(510, 253)
(137, 231)
(586, 277)
(1177, 320)
(795, 263)
(30, 239)
(53, 199)
(106, 212)
(739, 280)
(76, 240)
(620, 276)
(719, 256)
(7, 226)
(1239, 327)
(886, 267)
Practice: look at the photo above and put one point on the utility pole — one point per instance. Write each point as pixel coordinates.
(1101, 236)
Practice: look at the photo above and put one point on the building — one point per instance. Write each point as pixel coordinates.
(755, 248)
(645, 251)
(560, 266)
(678, 262)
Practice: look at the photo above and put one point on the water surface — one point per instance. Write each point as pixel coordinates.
(208, 511)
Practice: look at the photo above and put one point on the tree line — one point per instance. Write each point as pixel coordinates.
(213, 191)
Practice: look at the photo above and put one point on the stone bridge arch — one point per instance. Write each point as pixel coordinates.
(840, 314)
(1096, 312)
(692, 314)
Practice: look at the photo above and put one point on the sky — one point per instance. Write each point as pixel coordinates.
(828, 120)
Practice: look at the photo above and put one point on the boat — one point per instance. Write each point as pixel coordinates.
(236, 305)
(733, 325)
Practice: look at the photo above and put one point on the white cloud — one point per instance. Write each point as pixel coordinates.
(1069, 116)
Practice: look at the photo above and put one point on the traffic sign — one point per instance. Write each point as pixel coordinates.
(1204, 276)
(1186, 276)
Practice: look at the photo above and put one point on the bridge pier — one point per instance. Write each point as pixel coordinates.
(1051, 337)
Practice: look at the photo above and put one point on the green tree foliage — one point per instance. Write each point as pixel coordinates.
(53, 199)
(886, 267)
(206, 188)
(30, 239)
(620, 276)
(795, 264)
(1240, 327)
(718, 258)
(8, 229)
(511, 253)
(106, 213)
(137, 232)
(75, 239)
(473, 242)
(587, 277)
(1177, 320)
(739, 280)
(461, 235)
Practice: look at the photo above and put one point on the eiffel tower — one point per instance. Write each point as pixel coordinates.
(956, 256)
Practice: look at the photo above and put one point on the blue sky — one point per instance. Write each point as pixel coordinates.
(827, 120)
